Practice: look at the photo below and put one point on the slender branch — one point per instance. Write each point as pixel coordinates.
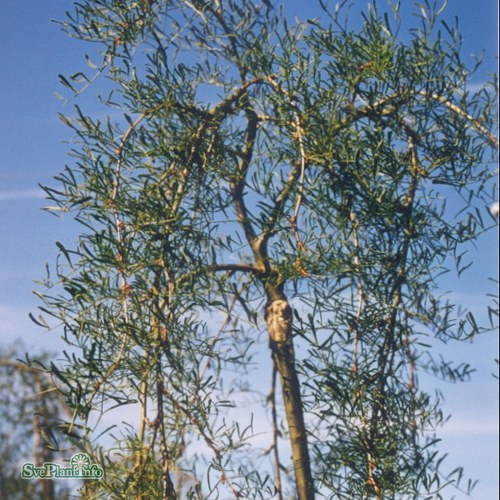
(228, 267)
(404, 94)
(223, 108)
(168, 487)
(119, 226)
(276, 432)
(237, 186)
(143, 401)
(412, 390)
(208, 440)
(139, 468)
(18, 365)
(231, 35)
(211, 346)
(296, 175)
(245, 268)
(225, 323)
(299, 134)
(388, 345)
(459, 111)
(361, 296)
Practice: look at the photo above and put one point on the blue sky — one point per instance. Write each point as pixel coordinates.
(33, 51)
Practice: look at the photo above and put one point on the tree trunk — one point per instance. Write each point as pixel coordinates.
(279, 322)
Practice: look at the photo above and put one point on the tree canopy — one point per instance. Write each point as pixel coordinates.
(256, 174)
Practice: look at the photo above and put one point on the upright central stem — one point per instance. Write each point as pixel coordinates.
(279, 323)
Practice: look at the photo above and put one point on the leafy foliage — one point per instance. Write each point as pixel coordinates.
(247, 165)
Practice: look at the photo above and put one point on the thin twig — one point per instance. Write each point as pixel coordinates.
(295, 173)
(201, 375)
(274, 445)
(404, 93)
(208, 440)
(168, 487)
(361, 298)
(459, 111)
(303, 163)
(119, 225)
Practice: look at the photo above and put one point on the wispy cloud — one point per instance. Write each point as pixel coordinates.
(21, 194)
(470, 426)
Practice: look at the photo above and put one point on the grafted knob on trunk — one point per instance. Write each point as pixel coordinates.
(279, 320)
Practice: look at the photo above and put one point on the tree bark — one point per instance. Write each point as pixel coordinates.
(279, 323)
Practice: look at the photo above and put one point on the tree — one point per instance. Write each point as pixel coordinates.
(253, 173)
(32, 412)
